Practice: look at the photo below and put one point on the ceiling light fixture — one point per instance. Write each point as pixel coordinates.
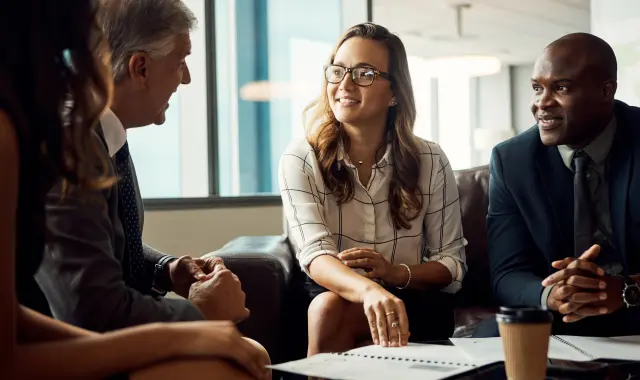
(469, 65)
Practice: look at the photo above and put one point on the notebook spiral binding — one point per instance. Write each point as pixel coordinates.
(585, 353)
(407, 359)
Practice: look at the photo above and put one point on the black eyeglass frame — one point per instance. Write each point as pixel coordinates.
(350, 70)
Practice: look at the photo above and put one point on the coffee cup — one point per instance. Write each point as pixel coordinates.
(525, 335)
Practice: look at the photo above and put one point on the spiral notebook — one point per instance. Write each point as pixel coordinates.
(564, 347)
(593, 348)
(416, 361)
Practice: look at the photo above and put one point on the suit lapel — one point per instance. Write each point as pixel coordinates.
(557, 183)
(620, 165)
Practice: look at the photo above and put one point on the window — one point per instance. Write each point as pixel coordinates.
(269, 68)
(443, 107)
(454, 121)
(423, 86)
(172, 159)
(255, 65)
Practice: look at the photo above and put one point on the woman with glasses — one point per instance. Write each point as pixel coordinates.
(52, 52)
(372, 210)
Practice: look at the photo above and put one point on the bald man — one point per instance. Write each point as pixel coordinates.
(564, 198)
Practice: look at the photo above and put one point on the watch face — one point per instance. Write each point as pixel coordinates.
(632, 295)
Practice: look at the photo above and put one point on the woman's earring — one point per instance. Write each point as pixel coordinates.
(393, 102)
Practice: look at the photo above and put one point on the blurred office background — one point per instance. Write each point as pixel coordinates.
(210, 172)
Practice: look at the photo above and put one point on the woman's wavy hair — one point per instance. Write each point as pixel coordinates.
(325, 134)
(54, 65)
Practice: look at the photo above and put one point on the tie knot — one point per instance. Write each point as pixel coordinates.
(580, 161)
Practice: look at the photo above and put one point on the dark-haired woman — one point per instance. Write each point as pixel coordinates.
(51, 52)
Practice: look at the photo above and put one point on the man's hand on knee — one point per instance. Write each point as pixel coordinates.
(220, 297)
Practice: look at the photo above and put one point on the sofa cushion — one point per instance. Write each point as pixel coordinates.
(264, 265)
(473, 187)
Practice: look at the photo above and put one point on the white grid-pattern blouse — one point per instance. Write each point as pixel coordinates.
(319, 226)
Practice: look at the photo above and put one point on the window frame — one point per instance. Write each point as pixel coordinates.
(214, 200)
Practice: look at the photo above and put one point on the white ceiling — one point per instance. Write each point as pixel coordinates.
(513, 30)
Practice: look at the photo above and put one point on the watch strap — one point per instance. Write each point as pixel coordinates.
(628, 280)
(161, 279)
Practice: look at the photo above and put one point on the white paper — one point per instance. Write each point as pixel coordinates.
(620, 348)
(615, 348)
(343, 367)
(434, 352)
(491, 349)
(482, 349)
(559, 350)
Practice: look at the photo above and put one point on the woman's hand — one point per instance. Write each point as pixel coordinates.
(387, 317)
(221, 339)
(375, 265)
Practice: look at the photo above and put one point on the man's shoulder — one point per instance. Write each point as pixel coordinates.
(629, 117)
(60, 196)
(630, 112)
(520, 147)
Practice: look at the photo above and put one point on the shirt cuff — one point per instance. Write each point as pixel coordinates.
(545, 295)
(456, 269)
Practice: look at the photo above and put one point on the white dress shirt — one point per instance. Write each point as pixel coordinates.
(319, 226)
(114, 132)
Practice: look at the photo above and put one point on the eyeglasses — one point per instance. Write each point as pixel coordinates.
(361, 76)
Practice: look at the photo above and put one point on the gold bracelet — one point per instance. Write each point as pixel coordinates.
(409, 280)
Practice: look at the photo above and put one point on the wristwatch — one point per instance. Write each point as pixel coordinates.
(630, 292)
(161, 280)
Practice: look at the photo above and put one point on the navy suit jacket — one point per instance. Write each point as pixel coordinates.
(530, 220)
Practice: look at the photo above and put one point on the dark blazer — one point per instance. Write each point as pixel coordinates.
(530, 220)
(82, 272)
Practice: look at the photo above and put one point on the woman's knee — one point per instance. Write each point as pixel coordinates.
(326, 310)
(211, 369)
(331, 325)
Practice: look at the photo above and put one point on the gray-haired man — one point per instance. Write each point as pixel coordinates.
(97, 273)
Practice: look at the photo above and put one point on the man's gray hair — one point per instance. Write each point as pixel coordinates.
(151, 26)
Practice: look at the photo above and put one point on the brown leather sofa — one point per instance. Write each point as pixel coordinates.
(273, 281)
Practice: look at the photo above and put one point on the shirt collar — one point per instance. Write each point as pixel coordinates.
(114, 132)
(599, 148)
(344, 157)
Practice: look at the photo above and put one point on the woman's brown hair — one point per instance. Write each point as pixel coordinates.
(326, 134)
(57, 83)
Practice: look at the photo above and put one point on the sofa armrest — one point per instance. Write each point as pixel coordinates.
(264, 266)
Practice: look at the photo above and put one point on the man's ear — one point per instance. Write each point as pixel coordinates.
(139, 67)
(609, 90)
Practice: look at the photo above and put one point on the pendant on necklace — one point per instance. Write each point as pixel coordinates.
(360, 162)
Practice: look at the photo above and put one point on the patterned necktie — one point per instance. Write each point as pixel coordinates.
(130, 218)
(583, 223)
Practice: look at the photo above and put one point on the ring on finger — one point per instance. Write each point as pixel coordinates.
(389, 313)
(394, 324)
